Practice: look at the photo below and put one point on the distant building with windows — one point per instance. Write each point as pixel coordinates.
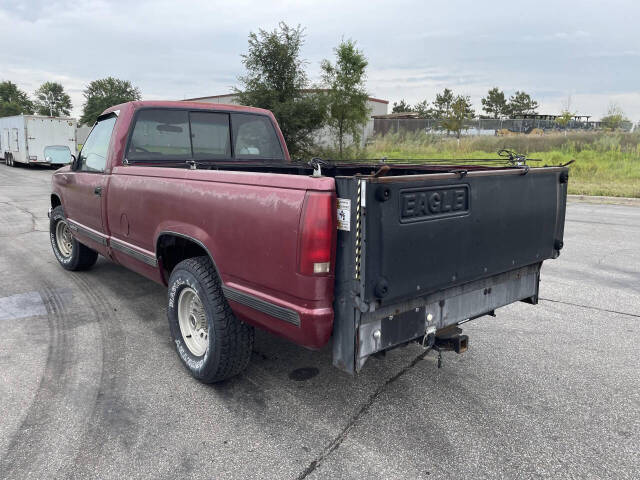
(324, 137)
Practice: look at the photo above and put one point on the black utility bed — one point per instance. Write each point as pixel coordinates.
(426, 250)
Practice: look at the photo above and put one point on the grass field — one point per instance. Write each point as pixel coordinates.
(605, 163)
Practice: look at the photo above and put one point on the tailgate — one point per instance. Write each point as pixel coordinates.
(428, 232)
(448, 246)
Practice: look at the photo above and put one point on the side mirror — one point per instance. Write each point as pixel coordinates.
(74, 162)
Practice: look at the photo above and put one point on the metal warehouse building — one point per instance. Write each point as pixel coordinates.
(325, 137)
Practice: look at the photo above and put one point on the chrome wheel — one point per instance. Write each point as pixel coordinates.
(64, 240)
(193, 322)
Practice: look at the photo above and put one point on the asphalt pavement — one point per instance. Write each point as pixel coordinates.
(91, 386)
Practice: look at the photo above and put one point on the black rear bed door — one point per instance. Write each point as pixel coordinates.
(432, 250)
(423, 233)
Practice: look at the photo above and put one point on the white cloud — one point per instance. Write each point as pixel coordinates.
(187, 49)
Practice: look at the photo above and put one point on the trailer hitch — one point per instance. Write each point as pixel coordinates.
(450, 341)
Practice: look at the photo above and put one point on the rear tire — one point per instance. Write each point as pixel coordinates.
(70, 253)
(211, 342)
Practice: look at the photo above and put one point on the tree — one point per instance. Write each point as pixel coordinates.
(443, 102)
(615, 117)
(52, 100)
(104, 93)
(13, 101)
(521, 104)
(564, 119)
(401, 107)
(456, 116)
(495, 104)
(423, 109)
(347, 97)
(275, 80)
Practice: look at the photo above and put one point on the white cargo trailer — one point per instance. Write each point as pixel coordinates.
(23, 139)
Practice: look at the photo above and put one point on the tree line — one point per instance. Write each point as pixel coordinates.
(454, 110)
(51, 99)
(495, 105)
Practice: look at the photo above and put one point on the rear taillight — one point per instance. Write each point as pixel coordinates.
(317, 234)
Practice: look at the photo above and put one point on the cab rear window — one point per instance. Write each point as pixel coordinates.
(255, 138)
(181, 135)
(210, 135)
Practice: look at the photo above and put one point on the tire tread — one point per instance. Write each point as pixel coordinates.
(235, 337)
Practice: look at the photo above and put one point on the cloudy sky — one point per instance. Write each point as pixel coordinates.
(586, 53)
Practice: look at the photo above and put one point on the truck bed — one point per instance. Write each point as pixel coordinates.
(427, 246)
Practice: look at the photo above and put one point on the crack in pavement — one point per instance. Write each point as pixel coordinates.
(337, 441)
(34, 219)
(591, 307)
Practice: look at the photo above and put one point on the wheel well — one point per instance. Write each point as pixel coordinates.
(172, 249)
(55, 201)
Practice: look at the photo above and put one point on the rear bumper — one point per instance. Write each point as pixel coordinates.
(402, 322)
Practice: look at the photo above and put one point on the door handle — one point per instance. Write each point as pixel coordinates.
(98, 191)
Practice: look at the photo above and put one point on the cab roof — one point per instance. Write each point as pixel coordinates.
(189, 105)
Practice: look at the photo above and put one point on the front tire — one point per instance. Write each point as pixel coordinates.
(211, 342)
(70, 253)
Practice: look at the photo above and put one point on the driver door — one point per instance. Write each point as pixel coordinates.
(83, 195)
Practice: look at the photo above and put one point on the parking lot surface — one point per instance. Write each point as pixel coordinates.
(90, 385)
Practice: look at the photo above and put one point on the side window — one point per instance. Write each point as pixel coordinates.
(93, 156)
(254, 138)
(210, 135)
(161, 135)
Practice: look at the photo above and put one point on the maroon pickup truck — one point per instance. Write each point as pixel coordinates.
(206, 200)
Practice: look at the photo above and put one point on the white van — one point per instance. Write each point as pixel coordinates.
(23, 139)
